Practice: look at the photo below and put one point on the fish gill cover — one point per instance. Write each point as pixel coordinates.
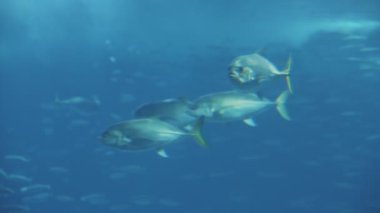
(70, 69)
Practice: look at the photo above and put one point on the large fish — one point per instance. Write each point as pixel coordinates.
(237, 105)
(174, 111)
(252, 70)
(148, 133)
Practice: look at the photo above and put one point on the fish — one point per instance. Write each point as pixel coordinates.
(6, 190)
(77, 100)
(3, 174)
(95, 199)
(41, 197)
(16, 158)
(237, 105)
(147, 133)
(82, 105)
(19, 178)
(35, 188)
(251, 71)
(14, 208)
(174, 111)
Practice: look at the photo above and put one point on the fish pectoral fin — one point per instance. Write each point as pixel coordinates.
(250, 122)
(189, 127)
(197, 133)
(162, 153)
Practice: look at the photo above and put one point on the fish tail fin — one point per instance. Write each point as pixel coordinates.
(197, 133)
(286, 73)
(280, 105)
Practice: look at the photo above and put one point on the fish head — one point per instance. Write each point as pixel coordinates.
(115, 137)
(203, 110)
(241, 74)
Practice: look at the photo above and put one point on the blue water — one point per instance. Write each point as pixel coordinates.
(128, 53)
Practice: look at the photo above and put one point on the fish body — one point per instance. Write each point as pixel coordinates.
(250, 71)
(236, 105)
(144, 134)
(174, 111)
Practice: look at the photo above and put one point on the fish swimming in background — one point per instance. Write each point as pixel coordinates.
(16, 158)
(19, 178)
(35, 188)
(148, 133)
(237, 105)
(13, 208)
(77, 100)
(6, 190)
(174, 111)
(82, 105)
(3, 174)
(250, 71)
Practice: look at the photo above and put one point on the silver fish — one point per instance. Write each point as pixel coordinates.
(237, 105)
(147, 133)
(250, 71)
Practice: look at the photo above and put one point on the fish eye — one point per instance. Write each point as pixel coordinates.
(239, 69)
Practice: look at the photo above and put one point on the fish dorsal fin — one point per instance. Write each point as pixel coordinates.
(260, 50)
(162, 153)
(250, 122)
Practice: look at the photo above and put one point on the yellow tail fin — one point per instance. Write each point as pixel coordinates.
(280, 105)
(197, 133)
(286, 72)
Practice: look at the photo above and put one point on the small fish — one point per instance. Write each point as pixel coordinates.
(95, 199)
(58, 170)
(174, 111)
(85, 106)
(147, 133)
(64, 198)
(3, 174)
(252, 70)
(17, 158)
(5, 190)
(40, 197)
(237, 105)
(77, 100)
(35, 188)
(19, 178)
(14, 208)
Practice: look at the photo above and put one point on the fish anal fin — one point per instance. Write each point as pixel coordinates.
(162, 153)
(250, 122)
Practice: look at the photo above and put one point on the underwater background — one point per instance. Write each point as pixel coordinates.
(125, 53)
